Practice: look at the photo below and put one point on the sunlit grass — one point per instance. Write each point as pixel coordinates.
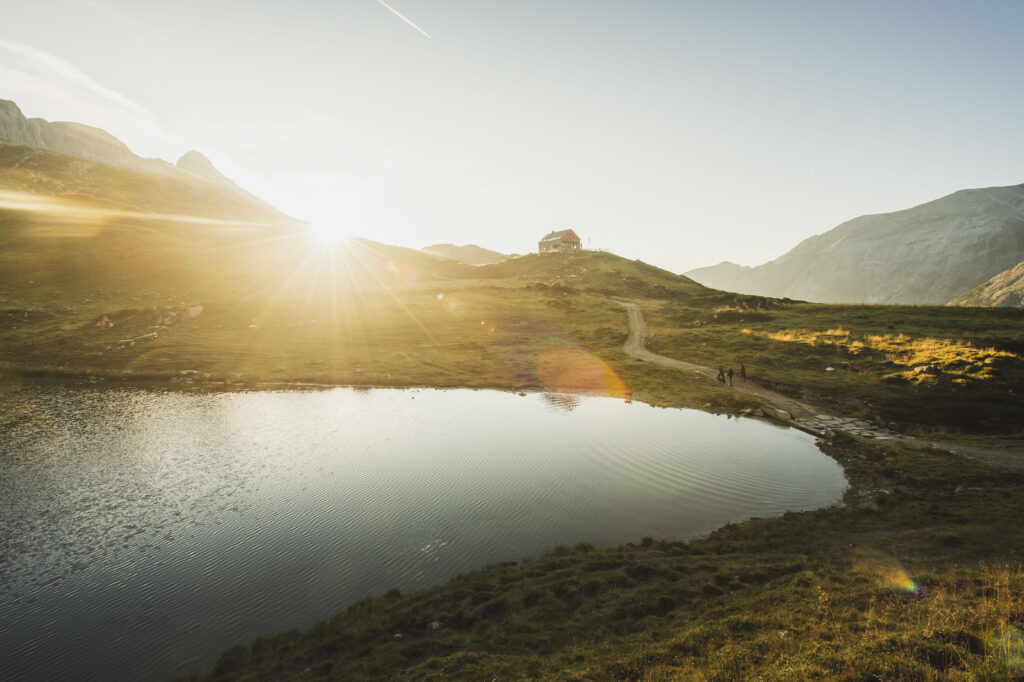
(955, 357)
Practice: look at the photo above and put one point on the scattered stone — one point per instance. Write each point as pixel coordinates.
(781, 415)
(435, 625)
(830, 369)
(926, 369)
(105, 323)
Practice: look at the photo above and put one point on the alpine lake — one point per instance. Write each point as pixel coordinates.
(145, 531)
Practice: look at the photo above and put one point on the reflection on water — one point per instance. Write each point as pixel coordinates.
(144, 532)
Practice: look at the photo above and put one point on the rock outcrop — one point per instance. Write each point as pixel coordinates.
(924, 255)
(197, 164)
(73, 139)
(1005, 290)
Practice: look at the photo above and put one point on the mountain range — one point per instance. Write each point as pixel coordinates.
(468, 253)
(928, 254)
(86, 142)
(966, 248)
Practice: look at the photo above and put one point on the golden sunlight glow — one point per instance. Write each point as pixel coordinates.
(328, 233)
(71, 211)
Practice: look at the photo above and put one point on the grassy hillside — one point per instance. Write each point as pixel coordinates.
(926, 368)
(187, 303)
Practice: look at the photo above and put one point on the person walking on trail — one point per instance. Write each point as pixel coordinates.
(721, 375)
(743, 372)
(731, 373)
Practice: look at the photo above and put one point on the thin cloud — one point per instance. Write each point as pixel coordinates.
(403, 17)
(43, 84)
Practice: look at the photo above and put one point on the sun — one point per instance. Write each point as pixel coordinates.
(328, 233)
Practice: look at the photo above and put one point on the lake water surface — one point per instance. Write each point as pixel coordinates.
(143, 532)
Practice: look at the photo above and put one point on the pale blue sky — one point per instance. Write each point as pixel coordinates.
(679, 133)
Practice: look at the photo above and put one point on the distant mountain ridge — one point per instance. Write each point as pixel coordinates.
(74, 139)
(468, 253)
(928, 254)
(86, 142)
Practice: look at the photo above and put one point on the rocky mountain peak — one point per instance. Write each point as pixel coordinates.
(196, 163)
(74, 139)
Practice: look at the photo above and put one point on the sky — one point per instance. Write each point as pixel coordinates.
(680, 133)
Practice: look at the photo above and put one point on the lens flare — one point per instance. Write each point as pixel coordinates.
(569, 369)
(449, 302)
(889, 572)
(405, 275)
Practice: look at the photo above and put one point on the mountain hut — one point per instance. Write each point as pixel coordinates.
(563, 240)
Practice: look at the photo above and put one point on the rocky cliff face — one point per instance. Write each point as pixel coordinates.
(924, 255)
(73, 139)
(1005, 290)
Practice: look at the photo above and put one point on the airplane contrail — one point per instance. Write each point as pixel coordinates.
(403, 17)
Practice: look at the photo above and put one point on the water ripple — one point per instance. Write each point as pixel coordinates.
(143, 532)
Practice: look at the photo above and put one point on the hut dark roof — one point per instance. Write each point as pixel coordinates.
(555, 236)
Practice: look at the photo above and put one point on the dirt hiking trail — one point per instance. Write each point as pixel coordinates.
(805, 416)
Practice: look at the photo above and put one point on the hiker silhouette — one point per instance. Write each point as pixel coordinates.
(731, 373)
(721, 374)
(743, 372)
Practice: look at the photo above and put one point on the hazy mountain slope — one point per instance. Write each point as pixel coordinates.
(468, 253)
(38, 171)
(1005, 290)
(75, 227)
(75, 139)
(87, 142)
(924, 255)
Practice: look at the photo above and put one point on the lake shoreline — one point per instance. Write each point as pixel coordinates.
(906, 539)
(860, 489)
